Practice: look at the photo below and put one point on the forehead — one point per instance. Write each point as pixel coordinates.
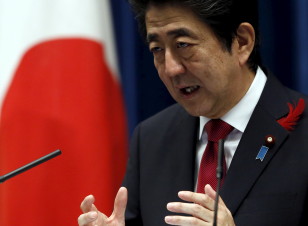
(172, 20)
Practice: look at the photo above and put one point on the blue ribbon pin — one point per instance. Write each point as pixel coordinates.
(262, 153)
(269, 142)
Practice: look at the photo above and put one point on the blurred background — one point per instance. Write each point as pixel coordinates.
(76, 76)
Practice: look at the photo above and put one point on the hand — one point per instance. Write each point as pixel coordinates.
(92, 217)
(201, 209)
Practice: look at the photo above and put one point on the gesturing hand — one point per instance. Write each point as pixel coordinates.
(92, 217)
(201, 209)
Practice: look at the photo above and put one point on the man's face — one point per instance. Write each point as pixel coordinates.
(199, 73)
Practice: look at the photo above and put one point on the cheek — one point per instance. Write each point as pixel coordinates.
(162, 75)
(159, 68)
(159, 60)
(167, 82)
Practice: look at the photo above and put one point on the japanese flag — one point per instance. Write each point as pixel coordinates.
(59, 89)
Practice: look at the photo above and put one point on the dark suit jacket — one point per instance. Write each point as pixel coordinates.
(272, 192)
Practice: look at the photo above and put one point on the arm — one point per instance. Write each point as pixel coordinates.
(131, 182)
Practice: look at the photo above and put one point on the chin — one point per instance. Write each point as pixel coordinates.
(193, 107)
(193, 112)
(197, 112)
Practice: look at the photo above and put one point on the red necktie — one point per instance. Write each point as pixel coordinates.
(216, 129)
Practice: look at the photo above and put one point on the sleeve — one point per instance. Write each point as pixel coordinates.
(132, 182)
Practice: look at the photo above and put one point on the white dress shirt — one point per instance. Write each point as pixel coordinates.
(238, 117)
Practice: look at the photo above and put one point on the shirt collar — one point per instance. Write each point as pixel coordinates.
(239, 115)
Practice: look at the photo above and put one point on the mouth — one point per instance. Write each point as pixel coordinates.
(189, 90)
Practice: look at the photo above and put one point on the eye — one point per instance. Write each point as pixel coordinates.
(182, 44)
(156, 49)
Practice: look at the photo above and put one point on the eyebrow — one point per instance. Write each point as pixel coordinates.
(179, 32)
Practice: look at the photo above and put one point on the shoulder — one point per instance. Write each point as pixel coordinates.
(276, 97)
(169, 116)
(169, 121)
(274, 87)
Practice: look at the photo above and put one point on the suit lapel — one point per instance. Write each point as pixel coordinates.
(245, 170)
(182, 142)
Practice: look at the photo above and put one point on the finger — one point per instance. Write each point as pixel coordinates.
(202, 199)
(212, 194)
(193, 209)
(87, 218)
(181, 220)
(223, 211)
(120, 203)
(210, 191)
(87, 204)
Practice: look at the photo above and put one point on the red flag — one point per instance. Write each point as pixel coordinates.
(63, 94)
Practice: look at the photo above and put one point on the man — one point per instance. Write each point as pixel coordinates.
(206, 53)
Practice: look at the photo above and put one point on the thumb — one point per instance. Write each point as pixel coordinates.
(120, 204)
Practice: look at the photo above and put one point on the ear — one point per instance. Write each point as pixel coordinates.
(245, 39)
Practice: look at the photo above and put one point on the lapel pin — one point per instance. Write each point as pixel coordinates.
(295, 111)
(269, 142)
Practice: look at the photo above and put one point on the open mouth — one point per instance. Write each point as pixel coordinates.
(189, 90)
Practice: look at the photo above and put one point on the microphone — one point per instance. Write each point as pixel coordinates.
(29, 166)
(219, 174)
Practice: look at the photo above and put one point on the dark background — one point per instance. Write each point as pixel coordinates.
(284, 49)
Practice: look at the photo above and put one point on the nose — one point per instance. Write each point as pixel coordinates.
(173, 64)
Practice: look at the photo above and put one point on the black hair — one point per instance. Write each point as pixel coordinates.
(222, 16)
